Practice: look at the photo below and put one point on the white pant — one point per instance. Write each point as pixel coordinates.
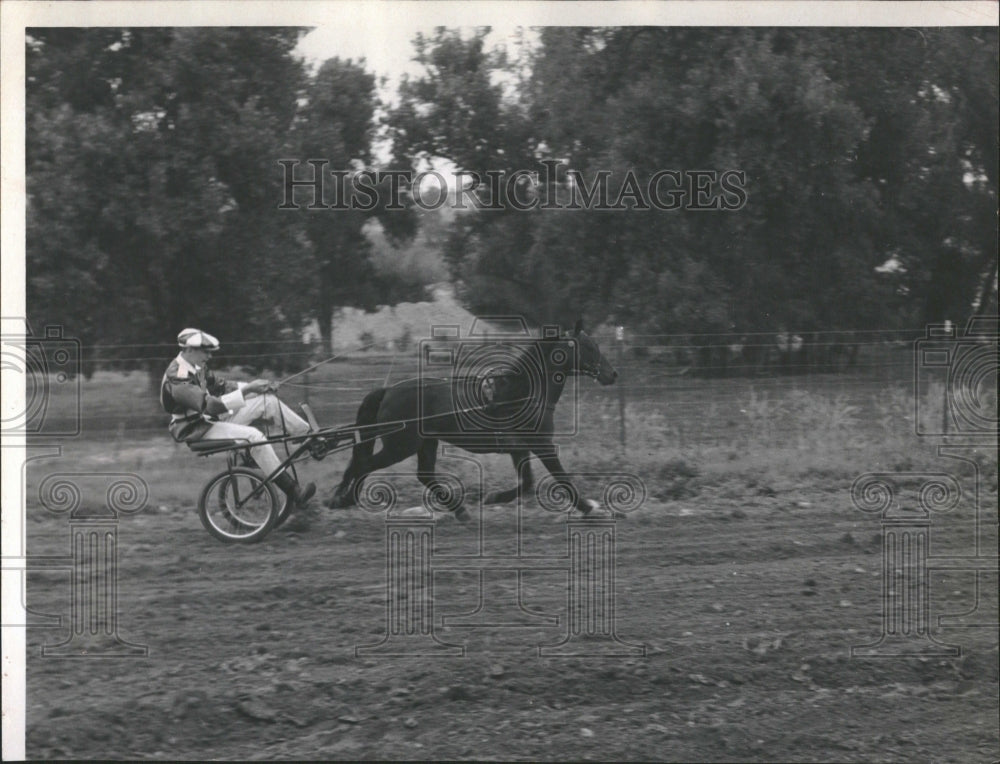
(237, 426)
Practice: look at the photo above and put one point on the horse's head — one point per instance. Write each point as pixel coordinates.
(590, 360)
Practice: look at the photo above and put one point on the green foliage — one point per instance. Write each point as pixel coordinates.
(153, 189)
(336, 124)
(859, 146)
(151, 184)
(457, 111)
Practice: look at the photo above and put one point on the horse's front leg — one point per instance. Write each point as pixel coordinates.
(525, 480)
(550, 459)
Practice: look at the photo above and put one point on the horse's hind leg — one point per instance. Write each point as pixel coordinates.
(344, 494)
(426, 462)
(525, 480)
(360, 465)
(364, 462)
(392, 452)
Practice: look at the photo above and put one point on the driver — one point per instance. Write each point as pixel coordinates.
(205, 407)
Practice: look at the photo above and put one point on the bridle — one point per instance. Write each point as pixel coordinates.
(592, 370)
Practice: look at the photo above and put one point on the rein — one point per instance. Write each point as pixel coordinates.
(328, 360)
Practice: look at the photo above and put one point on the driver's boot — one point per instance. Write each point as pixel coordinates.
(297, 494)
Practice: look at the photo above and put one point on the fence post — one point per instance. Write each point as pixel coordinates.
(620, 342)
(120, 439)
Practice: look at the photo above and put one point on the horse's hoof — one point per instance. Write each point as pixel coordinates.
(462, 515)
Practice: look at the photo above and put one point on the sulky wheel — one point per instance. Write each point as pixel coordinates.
(284, 506)
(238, 507)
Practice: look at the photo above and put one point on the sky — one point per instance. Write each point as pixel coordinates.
(385, 41)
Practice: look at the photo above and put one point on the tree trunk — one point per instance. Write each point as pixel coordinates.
(986, 293)
(325, 319)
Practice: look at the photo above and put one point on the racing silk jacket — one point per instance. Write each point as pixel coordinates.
(194, 397)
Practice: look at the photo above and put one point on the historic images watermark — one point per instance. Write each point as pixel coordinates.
(91, 564)
(496, 390)
(504, 383)
(955, 380)
(312, 184)
(48, 366)
(955, 402)
(587, 562)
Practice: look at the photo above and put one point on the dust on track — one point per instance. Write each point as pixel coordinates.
(747, 603)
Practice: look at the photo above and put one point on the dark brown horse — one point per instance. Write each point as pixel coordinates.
(506, 405)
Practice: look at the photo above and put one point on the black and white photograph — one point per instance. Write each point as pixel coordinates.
(541, 381)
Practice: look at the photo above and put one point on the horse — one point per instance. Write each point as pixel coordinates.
(508, 408)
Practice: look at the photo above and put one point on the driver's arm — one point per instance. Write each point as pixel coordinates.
(259, 386)
(227, 393)
(183, 394)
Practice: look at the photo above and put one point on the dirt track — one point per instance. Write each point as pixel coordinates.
(747, 600)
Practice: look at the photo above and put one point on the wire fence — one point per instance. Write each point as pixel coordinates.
(118, 356)
(698, 386)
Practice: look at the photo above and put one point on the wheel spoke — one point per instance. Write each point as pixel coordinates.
(238, 506)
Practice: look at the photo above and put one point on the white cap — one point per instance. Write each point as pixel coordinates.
(196, 338)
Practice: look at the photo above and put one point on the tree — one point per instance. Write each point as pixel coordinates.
(152, 190)
(336, 125)
(859, 147)
(155, 190)
(929, 97)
